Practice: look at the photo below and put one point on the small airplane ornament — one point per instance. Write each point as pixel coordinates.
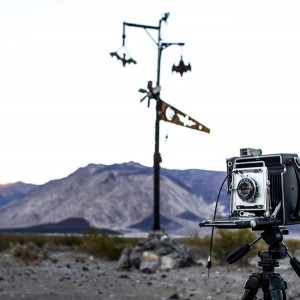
(181, 67)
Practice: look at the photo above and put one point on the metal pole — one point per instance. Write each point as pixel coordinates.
(157, 156)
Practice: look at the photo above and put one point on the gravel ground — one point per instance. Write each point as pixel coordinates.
(68, 275)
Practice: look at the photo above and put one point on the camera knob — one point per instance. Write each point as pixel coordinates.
(252, 223)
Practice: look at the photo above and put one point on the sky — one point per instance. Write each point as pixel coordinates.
(65, 102)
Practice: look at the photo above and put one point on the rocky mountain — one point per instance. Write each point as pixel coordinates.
(14, 191)
(117, 197)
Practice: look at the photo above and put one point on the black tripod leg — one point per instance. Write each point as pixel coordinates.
(251, 287)
(277, 287)
(277, 295)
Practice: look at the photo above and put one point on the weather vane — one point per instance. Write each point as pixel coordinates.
(164, 111)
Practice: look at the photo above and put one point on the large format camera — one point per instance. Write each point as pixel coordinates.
(264, 190)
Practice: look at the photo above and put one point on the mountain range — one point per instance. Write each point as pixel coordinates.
(116, 197)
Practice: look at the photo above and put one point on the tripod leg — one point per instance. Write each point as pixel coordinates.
(277, 287)
(251, 287)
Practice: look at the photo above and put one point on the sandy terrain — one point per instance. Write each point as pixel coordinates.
(75, 276)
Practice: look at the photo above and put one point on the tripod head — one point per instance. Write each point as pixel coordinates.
(273, 236)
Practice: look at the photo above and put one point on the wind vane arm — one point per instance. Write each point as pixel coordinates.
(169, 113)
(174, 115)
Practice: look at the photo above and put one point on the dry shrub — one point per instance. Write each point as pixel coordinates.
(105, 246)
(28, 253)
(293, 246)
(199, 245)
(224, 242)
(100, 245)
(227, 241)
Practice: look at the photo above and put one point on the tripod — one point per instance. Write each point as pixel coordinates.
(272, 284)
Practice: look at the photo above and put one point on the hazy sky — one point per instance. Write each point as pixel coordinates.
(66, 103)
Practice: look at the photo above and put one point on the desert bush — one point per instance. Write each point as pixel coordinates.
(227, 241)
(224, 242)
(94, 243)
(102, 245)
(6, 241)
(70, 241)
(38, 240)
(293, 246)
(28, 253)
(199, 245)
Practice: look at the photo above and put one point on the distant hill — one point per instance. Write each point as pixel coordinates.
(116, 197)
(68, 226)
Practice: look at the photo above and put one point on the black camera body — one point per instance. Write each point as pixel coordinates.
(264, 190)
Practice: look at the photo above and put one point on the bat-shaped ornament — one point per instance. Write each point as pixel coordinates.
(123, 59)
(181, 67)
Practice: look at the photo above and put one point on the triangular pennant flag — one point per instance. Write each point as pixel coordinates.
(173, 115)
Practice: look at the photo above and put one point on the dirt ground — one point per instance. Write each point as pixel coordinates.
(69, 275)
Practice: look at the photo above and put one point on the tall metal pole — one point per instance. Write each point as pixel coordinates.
(157, 156)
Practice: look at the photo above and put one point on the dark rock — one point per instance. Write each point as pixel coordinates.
(148, 270)
(124, 260)
(135, 258)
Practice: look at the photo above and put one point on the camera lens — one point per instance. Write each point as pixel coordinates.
(246, 189)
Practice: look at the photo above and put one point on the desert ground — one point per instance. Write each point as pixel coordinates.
(72, 275)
